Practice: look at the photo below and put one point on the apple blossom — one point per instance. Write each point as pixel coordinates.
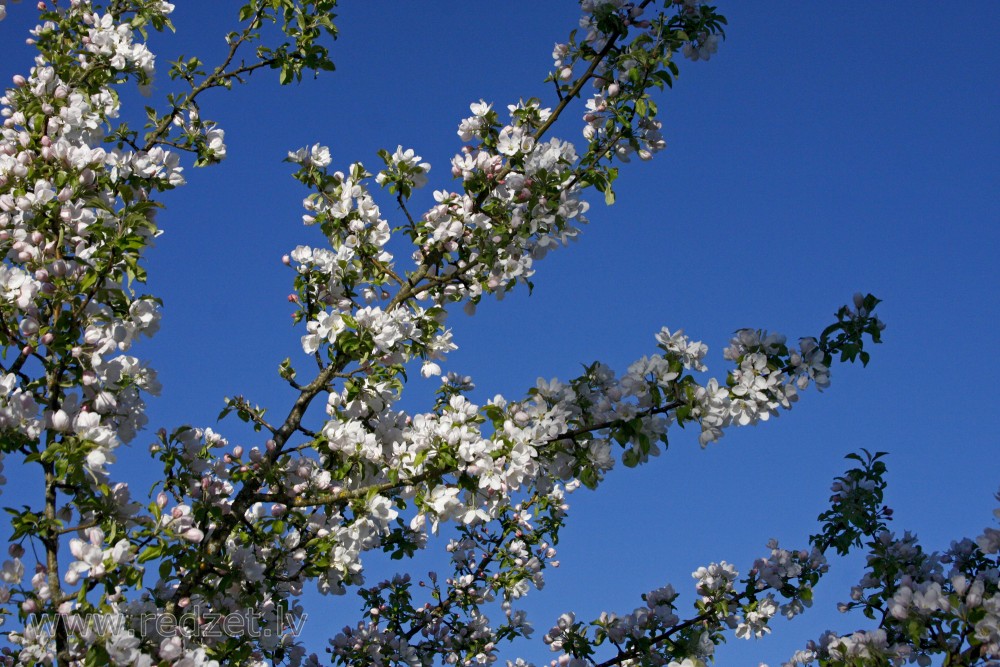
(231, 535)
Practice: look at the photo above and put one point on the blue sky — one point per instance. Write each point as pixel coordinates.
(827, 148)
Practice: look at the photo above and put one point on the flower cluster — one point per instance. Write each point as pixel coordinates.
(932, 604)
(239, 527)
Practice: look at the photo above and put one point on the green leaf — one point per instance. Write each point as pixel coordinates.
(150, 552)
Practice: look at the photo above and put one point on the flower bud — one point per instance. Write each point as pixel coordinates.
(193, 535)
(29, 326)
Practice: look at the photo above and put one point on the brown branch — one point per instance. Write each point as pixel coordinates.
(217, 78)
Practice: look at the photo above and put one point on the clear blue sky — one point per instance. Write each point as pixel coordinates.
(828, 148)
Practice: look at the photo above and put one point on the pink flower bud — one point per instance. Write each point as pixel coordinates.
(161, 500)
(19, 80)
(286, 260)
(193, 535)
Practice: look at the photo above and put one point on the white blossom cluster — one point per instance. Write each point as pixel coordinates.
(109, 409)
(55, 173)
(241, 530)
(920, 595)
